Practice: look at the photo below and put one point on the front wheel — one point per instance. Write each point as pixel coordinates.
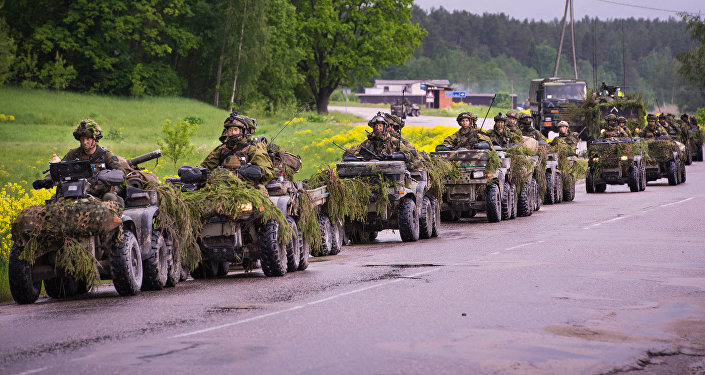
(272, 253)
(550, 195)
(634, 183)
(507, 202)
(22, 288)
(337, 233)
(589, 182)
(524, 202)
(558, 188)
(672, 173)
(642, 180)
(326, 238)
(569, 193)
(436, 217)
(426, 219)
(682, 173)
(408, 220)
(126, 265)
(493, 204)
(293, 248)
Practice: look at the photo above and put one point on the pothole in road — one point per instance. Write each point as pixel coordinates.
(403, 266)
(227, 309)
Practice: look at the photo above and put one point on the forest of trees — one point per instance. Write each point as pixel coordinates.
(492, 52)
(274, 54)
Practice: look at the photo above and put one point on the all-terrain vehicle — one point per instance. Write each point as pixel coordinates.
(401, 201)
(615, 161)
(695, 140)
(554, 179)
(484, 184)
(666, 160)
(405, 110)
(526, 169)
(160, 263)
(75, 239)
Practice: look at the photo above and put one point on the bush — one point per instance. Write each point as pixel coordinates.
(155, 79)
(176, 139)
(503, 100)
(56, 75)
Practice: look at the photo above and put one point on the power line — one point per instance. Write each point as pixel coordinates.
(645, 7)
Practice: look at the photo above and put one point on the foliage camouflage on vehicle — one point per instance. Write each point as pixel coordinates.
(609, 154)
(541, 175)
(439, 172)
(493, 161)
(308, 221)
(662, 149)
(522, 166)
(59, 227)
(590, 113)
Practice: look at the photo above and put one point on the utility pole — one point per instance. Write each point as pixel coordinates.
(568, 3)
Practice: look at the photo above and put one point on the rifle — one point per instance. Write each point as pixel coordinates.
(290, 120)
(488, 111)
(144, 158)
(367, 151)
(339, 146)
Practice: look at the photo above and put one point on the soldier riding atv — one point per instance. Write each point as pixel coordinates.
(615, 161)
(666, 156)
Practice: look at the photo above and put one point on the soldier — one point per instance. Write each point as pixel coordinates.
(468, 135)
(395, 124)
(612, 129)
(512, 118)
(88, 133)
(671, 130)
(239, 153)
(622, 122)
(500, 135)
(694, 123)
(652, 129)
(565, 135)
(527, 129)
(685, 123)
(381, 145)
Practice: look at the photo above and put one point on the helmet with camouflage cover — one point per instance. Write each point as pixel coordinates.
(395, 121)
(246, 124)
(88, 129)
(662, 116)
(513, 114)
(500, 117)
(525, 119)
(693, 120)
(684, 117)
(379, 117)
(611, 117)
(621, 119)
(468, 115)
(651, 117)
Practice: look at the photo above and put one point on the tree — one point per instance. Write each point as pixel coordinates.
(693, 60)
(348, 41)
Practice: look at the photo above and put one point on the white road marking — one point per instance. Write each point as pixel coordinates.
(640, 212)
(495, 253)
(33, 371)
(258, 317)
(522, 245)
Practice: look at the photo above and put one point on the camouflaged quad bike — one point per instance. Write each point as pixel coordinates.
(401, 201)
(483, 186)
(525, 169)
(695, 144)
(161, 267)
(615, 161)
(666, 160)
(554, 179)
(74, 240)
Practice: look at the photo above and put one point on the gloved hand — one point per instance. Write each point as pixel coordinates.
(351, 158)
(251, 172)
(397, 156)
(190, 174)
(42, 184)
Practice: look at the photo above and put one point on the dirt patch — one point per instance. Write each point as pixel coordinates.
(588, 333)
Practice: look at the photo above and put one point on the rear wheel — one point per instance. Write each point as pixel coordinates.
(337, 237)
(64, 286)
(569, 193)
(156, 268)
(326, 239)
(524, 201)
(126, 265)
(538, 199)
(600, 188)
(514, 201)
(436, 217)
(507, 202)
(642, 180)
(272, 253)
(426, 219)
(493, 204)
(589, 182)
(550, 195)
(682, 179)
(408, 220)
(293, 248)
(688, 157)
(22, 288)
(174, 274)
(558, 188)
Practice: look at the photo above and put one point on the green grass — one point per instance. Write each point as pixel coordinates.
(44, 122)
(358, 104)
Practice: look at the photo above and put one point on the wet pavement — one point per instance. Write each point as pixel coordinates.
(609, 283)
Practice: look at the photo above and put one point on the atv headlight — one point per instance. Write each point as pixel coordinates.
(478, 174)
(595, 159)
(246, 207)
(623, 158)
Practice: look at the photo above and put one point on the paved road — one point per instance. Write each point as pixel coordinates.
(611, 282)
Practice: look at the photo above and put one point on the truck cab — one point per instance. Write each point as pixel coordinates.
(550, 99)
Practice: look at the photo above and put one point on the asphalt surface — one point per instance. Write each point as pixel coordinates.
(609, 283)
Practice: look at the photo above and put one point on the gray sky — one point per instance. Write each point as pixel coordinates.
(550, 9)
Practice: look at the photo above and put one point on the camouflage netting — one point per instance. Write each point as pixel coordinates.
(348, 198)
(175, 218)
(440, 170)
(590, 112)
(493, 161)
(661, 150)
(59, 227)
(541, 170)
(565, 164)
(522, 166)
(308, 221)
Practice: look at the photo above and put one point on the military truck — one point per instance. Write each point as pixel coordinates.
(550, 99)
(615, 161)
(75, 239)
(483, 186)
(666, 160)
(402, 200)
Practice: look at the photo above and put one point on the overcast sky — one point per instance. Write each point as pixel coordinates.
(550, 9)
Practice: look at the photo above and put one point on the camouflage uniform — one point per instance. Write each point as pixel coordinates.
(237, 151)
(501, 138)
(670, 128)
(622, 121)
(469, 136)
(528, 130)
(511, 125)
(384, 144)
(570, 138)
(612, 129)
(652, 129)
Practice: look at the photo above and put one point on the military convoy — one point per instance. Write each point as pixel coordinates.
(666, 160)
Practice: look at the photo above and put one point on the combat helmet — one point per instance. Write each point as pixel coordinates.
(246, 124)
(525, 119)
(89, 129)
(621, 119)
(513, 114)
(611, 117)
(395, 121)
(684, 117)
(651, 117)
(468, 115)
(500, 117)
(379, 117)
